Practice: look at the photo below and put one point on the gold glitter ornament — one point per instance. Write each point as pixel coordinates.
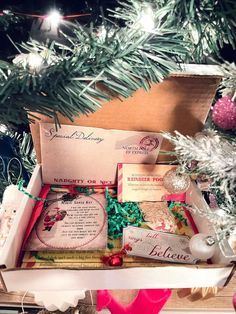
(176, 183)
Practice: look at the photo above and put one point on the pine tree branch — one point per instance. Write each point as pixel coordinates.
(209, 24)
(7, 19)
(89, 69)
(216, 158)
(228, 85)
(17, 163)
(95, 66)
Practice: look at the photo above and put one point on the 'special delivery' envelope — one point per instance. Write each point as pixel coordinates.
(89, 156)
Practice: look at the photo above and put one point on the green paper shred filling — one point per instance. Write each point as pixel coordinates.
(121, 215)
(178, 215)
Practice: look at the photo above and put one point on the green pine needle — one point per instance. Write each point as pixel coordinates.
(90, 69)
(97, 64)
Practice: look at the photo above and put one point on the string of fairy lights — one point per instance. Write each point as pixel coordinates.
(55, 18)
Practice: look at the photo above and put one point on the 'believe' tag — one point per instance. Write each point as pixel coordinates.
(158, 245)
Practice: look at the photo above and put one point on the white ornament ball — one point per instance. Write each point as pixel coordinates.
(11, 198)
(176, 183)
(200, 247)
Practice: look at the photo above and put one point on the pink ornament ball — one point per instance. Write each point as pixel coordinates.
(224, 113)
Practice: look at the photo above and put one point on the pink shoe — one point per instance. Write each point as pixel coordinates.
(234, 301)
(147, 301)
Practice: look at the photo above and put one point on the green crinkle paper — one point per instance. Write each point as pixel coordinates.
(121, 215)
(178, 215)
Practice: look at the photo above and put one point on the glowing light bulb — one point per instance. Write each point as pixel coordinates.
(3, 128)
(102, 33)
(146, 20)
(35, 61)
(54, 17)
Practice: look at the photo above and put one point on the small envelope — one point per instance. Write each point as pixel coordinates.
(89, 156)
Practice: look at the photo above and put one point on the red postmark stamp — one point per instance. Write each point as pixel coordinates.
(149, 143)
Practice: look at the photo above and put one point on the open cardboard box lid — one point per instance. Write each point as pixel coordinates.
(181, 102)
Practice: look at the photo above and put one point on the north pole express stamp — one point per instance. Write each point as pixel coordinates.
(149, 143)
(158, 245)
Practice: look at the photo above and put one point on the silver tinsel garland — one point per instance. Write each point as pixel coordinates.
(215, 158)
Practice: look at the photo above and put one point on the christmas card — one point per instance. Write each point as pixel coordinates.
(89, 156)
(75, 224)
(139, 182)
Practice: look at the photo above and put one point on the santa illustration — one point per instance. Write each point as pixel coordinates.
(50, 219)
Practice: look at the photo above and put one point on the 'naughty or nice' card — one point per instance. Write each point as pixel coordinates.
(139, 182)
(78, 224)
(89, 156)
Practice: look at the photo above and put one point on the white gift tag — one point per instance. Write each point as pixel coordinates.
(158, 245)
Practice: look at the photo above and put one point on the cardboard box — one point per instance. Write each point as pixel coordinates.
(162, 276)
(180, 102)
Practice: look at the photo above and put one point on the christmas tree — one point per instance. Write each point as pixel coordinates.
(111, 50)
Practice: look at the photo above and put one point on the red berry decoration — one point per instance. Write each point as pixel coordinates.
(117, 258)
(224, 113)
(116, 261)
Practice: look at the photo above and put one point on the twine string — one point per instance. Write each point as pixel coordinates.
(8, 170)
(22, 304)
